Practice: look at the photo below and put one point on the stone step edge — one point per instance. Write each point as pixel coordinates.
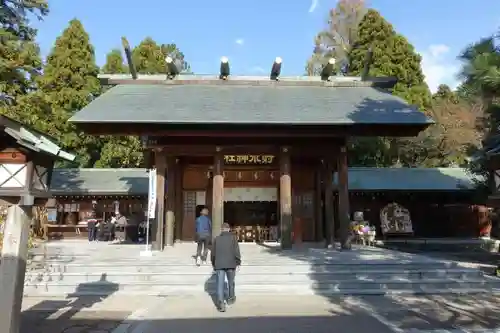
(243, 273)
(255, 264)
(101, 284)
(294, 291)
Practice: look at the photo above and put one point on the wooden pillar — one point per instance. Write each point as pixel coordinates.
(285, 198)
(179, 218)
(170, 201)
(218, 193)
(161, 169)
(13, 267)
(343, 211)
(329, 202)
(319, 234)
(209, 193)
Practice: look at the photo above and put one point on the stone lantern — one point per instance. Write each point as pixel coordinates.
(26, 162)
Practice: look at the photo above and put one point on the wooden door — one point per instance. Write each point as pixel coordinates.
(189, 215)
(303, 211)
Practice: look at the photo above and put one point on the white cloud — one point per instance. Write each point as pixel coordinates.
(314, 4)
(240, 41)
(439, 67)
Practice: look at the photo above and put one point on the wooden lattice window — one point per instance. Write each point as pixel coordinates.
(303, 204)
(308, 204)
(189, 202)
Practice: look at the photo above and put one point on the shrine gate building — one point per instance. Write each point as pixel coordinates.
(258, 152)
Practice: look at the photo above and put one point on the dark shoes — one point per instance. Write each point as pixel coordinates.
(221, 306)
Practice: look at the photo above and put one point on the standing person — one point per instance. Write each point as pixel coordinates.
(203, 235)
(225, 257)
(92, 227)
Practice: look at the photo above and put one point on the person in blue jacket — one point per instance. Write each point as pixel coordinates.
(203, 236)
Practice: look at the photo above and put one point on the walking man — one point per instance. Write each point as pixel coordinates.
(225, 257)
(203, 236)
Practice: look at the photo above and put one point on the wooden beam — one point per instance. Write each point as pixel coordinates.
(319, 234)
(329, 202)
(263, 133)
(255, 130)
(377, 82)
(304, 149)
(343, 191)
(179, 218)
(218, 193)
(170, 201)
(161, 169)
(210, 150)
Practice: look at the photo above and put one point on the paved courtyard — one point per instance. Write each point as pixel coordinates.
(304, 314)
(122, 313)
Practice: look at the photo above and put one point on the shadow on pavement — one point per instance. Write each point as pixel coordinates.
(417, 311)
(486, 261)
(341, 323)
(47, 315)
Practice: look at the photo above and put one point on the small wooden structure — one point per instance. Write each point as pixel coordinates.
(440, 201)
(26, 162)
(78, 193)
(279, 136)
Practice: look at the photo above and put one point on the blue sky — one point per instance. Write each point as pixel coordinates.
(253, 32)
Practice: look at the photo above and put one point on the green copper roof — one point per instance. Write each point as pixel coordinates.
(99, 182)
(298, 101)
(416, 179)
(135, 181)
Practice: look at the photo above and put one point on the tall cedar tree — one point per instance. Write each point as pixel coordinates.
(149, 57)
(20, 60)
(114, 63)
(336, 40)
(69, 82)
(119, 151)
(393, 55)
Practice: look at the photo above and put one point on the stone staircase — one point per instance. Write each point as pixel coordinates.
(75, 269)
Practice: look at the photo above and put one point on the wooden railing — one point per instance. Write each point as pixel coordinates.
(256, 234)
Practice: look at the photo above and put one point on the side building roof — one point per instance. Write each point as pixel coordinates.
(414, 179)
(69, 182)
(100, 182)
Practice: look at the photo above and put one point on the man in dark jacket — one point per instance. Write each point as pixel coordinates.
(203, 236)
(225, 258)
